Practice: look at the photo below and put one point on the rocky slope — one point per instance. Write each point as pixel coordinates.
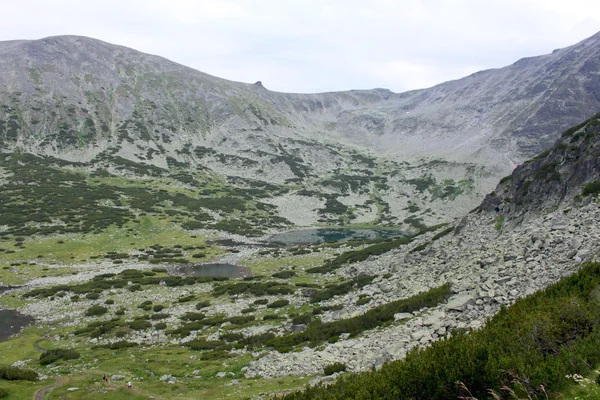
(498, 253)
(81, 99)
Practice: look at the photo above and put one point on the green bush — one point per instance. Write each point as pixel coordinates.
(363, 300)
(116, 346)
(92, 296)
(303, 319)
(158, 307)
(158, 316)
(201, 344)
(139, 324)
(3, 393)
(160, 326)
(231, 336)
(331, 291)
(241, 320)
(261, 301)
(50, 356)
(591, 188)
(95, 311)
(333, 368)
(202, 304)
(17, 374)
(109, 301)
(284, 274)
(278, 303)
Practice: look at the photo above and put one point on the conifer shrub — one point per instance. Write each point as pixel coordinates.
(591, 188)
(50, 356)
(333, 368)
(95, 311)
(284, 274)
(202, 304)
(278, 303)
(139, 324)
(17, 374)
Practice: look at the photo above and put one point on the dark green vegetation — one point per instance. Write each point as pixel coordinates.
(359, 255)
(51, 356)
(46, 195)
(317, 332)
(17, 374)
(339, 289)
(333, 368)
(591, 188)
(537, 341)
(121, 280)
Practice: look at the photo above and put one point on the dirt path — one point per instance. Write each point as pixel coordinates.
(37, 347)
(40, 393)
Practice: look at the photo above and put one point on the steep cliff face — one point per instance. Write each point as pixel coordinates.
(571, 167)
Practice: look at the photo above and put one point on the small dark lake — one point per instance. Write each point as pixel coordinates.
(216, 269)
(322, 235)
(11, 322)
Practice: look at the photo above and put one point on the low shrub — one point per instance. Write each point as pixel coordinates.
(116, 345)
(202, 304)
(302, 319)
(363, 300)
(3, 393)
(279, 303)
(17, 374)
(158, 307)
(139, 324)
(160, 326)
(284, 274)
(241, 320)
(333, 368)
(95, 311)
(202, 344)
(591, 188)
(50, 356)
(231, 336)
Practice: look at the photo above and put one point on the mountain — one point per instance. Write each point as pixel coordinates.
(405, 159)
(120, 172)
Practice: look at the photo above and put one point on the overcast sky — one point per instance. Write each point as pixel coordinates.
(319, 45)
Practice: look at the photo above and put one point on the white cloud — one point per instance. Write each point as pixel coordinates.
(315, 45)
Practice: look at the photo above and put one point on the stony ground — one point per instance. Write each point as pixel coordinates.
(487, 268)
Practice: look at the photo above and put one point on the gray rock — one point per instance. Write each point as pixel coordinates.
(401, 316)
(460, 302)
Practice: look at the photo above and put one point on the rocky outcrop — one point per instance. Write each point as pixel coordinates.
(552, 177)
